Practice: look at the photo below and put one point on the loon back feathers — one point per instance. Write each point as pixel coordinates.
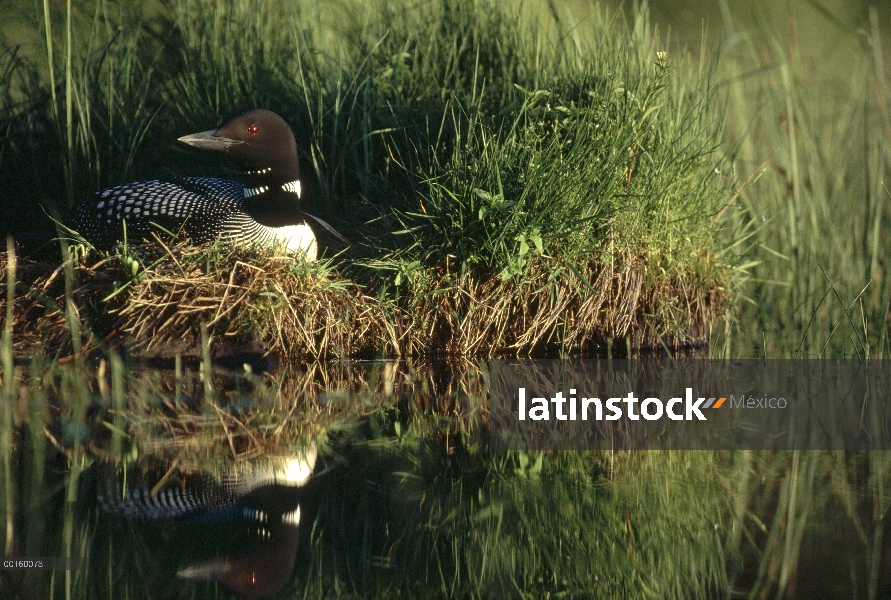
(201, 496)
(262, 145)
(259, 491)
(205, 208)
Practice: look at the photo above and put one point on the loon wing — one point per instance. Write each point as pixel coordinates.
(197, 204)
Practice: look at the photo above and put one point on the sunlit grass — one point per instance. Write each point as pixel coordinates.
(815, 146)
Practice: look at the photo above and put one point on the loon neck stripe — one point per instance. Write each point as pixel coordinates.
(291, 186)
(248, 192)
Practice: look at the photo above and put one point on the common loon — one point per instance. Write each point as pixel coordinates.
(264, 494)
(265, 209)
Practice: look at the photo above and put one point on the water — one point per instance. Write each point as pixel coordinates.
(168, 430)
(406, 497)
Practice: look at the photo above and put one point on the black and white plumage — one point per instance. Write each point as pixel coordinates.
(270, 485)
(265, 494)
(263, 209)
(206, 208)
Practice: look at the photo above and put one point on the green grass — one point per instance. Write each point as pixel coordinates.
(812, 131)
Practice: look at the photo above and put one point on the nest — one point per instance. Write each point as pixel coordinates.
(159, 300)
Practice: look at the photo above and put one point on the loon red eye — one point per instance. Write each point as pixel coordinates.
(253, 129)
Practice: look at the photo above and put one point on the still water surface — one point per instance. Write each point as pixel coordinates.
(163, 480)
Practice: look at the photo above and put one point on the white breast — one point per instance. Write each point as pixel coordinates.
(292, 471)
(296, 239)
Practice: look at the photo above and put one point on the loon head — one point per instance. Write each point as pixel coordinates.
(262, 567)
(261, 144)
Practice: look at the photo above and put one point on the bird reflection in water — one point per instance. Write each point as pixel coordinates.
(261, 498)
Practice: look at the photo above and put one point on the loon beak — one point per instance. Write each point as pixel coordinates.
(208, 570)
(209, 140)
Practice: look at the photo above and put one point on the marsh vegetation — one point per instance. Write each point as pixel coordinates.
(556, 181)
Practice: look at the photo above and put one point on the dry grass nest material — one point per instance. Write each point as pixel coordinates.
(305, 310)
